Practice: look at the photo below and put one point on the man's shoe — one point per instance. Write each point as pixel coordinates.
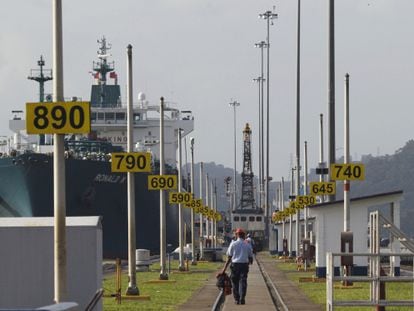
(242, 301)
(236, 302)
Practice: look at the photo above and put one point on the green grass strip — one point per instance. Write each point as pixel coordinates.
(164, 296)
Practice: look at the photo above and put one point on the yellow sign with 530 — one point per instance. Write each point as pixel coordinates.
(58, 118)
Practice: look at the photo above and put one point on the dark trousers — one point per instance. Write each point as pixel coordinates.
(238, 278)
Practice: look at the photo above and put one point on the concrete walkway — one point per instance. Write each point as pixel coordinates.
(257, 297)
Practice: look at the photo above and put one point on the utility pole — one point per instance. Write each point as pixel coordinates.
(298, 168)
(59, 173)
(193, 259)
(163, 229)
(181, 265)
(234, 104)
(268, 16)
(331, 89)
(132, 276)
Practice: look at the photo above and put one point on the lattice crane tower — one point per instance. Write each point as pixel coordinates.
(247, 195)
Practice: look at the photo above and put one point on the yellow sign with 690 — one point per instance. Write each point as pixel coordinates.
(58, 118)
(162, 182)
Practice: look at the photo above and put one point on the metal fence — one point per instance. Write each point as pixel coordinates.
(376, 277)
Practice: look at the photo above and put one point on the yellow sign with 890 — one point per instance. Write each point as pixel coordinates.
(58, 118)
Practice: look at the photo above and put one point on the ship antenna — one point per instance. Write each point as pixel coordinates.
(41, 76)
(102, 67)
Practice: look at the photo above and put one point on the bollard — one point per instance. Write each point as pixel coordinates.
(118, 280)
(382, 291)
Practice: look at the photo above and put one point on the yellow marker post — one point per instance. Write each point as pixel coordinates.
(162, 182)
(322, 188)
(133, 162)
(351, 171)
(58, 118)
(180, 198)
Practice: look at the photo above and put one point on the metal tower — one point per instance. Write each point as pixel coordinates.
(247, 195)
(41, 76)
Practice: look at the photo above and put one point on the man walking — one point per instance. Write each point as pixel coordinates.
(240, 255)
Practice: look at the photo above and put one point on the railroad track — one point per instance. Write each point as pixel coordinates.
(277, 299)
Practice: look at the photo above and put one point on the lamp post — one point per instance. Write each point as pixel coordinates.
(298, 167)
(260, 80)
(268, 16)
(261, 45)
(234, 104)
(331, 89)
(132, 276)
(193, 258)
(163, 229)
(181, 265)
(59, 172)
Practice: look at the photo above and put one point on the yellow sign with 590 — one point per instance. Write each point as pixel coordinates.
(180, 197)
(58, 118)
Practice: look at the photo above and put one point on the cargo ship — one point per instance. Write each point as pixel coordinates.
(26, 163)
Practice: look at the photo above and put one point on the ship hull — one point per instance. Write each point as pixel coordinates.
(91, 190)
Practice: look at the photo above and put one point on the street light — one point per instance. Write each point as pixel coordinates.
(234, 104)
(193, 259)
(261, 45)
(268, 16)
(260, 80)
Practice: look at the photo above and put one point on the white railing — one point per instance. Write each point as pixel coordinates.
(375, 277)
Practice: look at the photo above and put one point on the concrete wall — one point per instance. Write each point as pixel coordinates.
(328, 224)
(27, 264)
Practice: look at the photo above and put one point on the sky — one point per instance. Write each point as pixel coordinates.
(200, 55)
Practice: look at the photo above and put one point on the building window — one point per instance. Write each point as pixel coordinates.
(243, 218)
(236, 218)
(251, 218)
(120, 116)
(259, 218)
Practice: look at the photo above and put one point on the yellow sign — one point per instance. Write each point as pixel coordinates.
(322, 188)
(293, 205)
(131, 162)
(305, 200)
(58, 118)
(218, 216)
(162, 182)
(204, 210)
(180, 197)
(351, 171)
(194, 204)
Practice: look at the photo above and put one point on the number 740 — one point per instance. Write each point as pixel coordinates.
(352, 171)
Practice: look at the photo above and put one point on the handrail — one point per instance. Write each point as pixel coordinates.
(375, 278)
(95, 299)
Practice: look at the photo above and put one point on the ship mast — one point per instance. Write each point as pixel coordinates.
(41, 76)
(102, 67)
